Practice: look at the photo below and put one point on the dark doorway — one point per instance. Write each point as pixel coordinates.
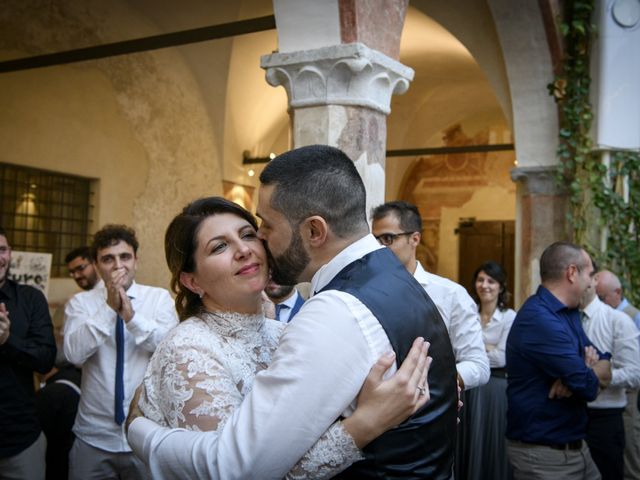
(482, 241)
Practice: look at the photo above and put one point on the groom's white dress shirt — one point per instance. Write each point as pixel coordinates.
(322, 360)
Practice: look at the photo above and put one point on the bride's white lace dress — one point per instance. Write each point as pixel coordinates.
(202, 370)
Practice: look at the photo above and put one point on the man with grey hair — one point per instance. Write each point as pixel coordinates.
(553, 371)
(610, 291)
(611, 331)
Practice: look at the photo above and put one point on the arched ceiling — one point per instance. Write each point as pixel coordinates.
(454, 52)
(450, 85)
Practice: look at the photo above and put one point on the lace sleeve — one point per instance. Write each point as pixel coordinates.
(213, 394)
(332, 453)
(190, 388)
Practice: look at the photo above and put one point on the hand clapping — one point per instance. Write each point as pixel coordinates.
(117, 297)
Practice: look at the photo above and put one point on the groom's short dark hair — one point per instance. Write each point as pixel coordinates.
(318, 180)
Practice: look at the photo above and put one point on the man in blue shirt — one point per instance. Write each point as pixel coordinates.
(553, 371)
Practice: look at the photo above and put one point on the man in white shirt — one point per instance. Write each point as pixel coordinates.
(286, 299)
(111, 332)
(609, 290)
(312, 206)
(610, 331)
(398, 226)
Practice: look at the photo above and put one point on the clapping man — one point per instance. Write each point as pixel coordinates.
(26, 345)
(111, 332)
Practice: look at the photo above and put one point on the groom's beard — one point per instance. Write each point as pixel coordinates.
(287, 268)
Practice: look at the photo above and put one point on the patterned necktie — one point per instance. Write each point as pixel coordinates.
(119, 393)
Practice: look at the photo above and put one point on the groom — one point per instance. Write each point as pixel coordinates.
(312, 207)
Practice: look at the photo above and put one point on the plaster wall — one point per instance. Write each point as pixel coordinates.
(529, 69)
(134, 123)
(256, 119)
(487, 203)
(307, 24)
(472, 24)
(460, 79)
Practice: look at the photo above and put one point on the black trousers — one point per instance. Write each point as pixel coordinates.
(605, 437)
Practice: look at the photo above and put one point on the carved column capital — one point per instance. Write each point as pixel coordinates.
(538, 180)
(349, 74)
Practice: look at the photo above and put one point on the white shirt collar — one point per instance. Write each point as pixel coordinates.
(356, 250)
(624, 303)
(591, 309)
(421, 275)
(291, 301)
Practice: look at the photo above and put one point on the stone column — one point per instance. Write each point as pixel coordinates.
(542, 213)
(340, 94)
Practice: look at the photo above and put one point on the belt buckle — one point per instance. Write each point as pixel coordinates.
(575, 445)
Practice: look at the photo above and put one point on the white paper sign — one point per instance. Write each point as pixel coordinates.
(30, 268)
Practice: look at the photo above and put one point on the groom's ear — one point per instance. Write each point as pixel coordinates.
(314, 231)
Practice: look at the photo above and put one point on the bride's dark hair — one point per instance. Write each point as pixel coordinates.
(181, 242)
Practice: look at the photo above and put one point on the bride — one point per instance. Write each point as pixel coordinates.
(204, 368)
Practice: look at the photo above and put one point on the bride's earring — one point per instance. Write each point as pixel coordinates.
(201, 294)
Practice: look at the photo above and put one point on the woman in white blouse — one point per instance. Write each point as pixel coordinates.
(204, 368)
(486, 407)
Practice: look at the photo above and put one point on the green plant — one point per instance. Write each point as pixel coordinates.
(600, 198)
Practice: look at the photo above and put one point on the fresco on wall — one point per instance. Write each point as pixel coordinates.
(450, 180)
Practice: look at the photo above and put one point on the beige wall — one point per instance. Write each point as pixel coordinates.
(487, 203)
(135, 123)
(460, 79)
(158, 129)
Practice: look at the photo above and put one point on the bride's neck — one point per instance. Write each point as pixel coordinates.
(249, 304)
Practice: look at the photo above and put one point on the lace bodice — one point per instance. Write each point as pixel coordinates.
(203, 369)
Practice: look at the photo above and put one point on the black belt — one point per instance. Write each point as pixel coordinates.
(499, 372)
(575, 445)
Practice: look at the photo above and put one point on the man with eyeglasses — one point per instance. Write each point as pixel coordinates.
(398, 226)
(81, 267)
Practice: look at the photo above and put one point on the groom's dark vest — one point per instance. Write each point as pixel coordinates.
(422, 446)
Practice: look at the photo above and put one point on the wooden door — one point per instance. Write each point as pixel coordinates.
(482, 241)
